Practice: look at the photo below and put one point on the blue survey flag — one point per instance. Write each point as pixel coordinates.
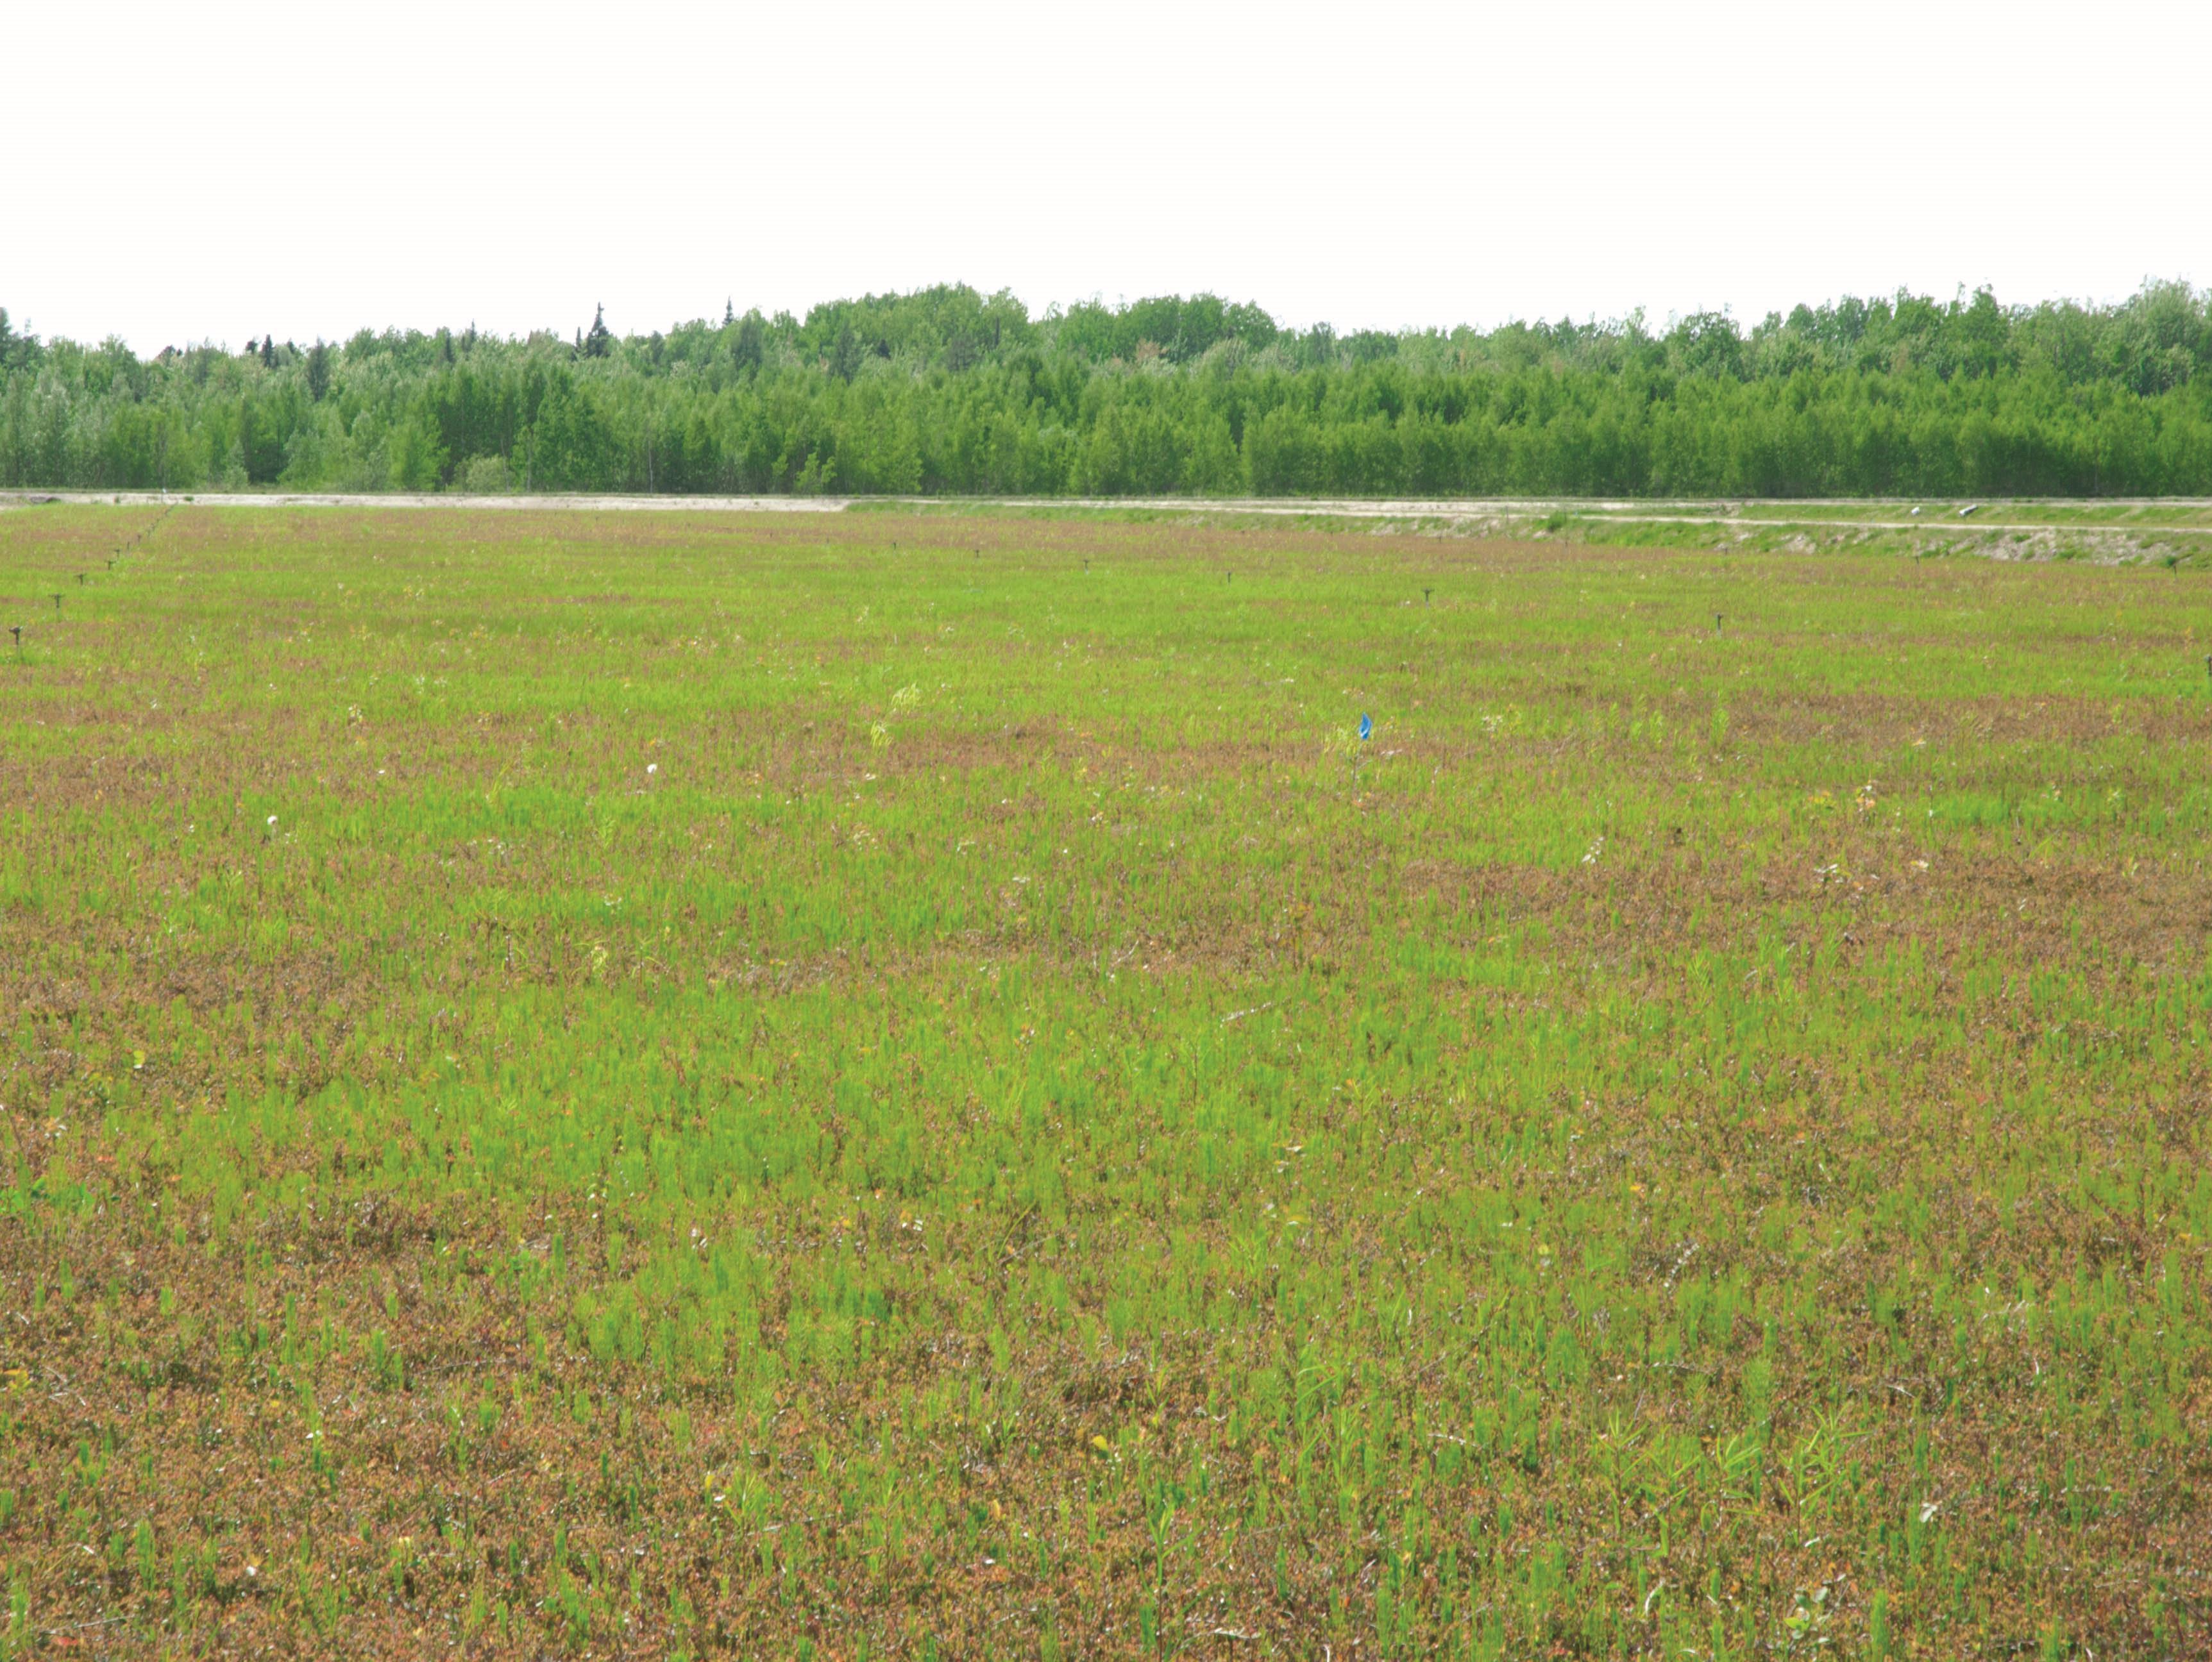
(1366, 726)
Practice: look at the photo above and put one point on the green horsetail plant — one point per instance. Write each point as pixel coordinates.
(1586, 1161)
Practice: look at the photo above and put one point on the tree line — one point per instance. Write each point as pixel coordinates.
(950, 391)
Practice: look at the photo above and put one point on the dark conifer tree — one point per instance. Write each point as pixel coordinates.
(597, 342)
(751, 345)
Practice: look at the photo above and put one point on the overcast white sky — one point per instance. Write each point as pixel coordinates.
(222, 170)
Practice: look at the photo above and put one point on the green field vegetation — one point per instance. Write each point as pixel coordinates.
(2175, 533)
(897, 1085)
(947, 391)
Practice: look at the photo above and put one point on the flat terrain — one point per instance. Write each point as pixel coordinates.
(2171, 531)
(906, 1084)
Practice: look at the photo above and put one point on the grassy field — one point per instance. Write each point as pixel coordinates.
(901, 1085)
(2172, 533)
